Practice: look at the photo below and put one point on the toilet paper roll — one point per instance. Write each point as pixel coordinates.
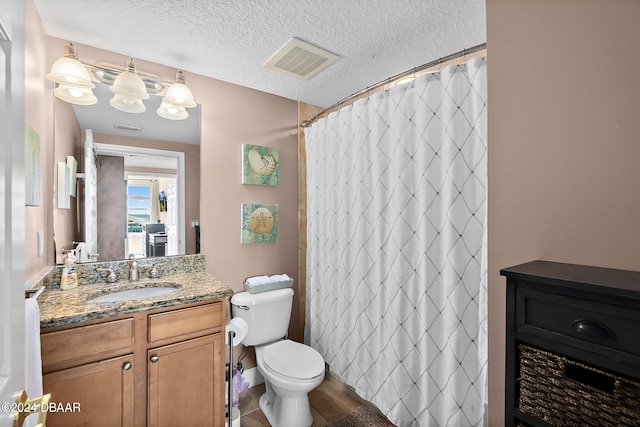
(240, 327)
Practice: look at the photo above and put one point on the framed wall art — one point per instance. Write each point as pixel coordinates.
(72, 163)
(32, 167)
(63, 196)
(260, 165)
(259, 223)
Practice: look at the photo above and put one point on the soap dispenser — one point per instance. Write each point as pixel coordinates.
(69, 279)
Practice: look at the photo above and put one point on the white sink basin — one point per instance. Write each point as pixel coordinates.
(133, 294)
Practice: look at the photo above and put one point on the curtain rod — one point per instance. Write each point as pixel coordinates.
(307, 123)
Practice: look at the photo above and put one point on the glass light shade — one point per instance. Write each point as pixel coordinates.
(70, 71)
(172, 112)
(179, 95)
(127, 104)
(130, 85)
(75, 95)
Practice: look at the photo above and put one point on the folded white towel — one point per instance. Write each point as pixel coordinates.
(279, 278)
(33, 380)
(257, 280)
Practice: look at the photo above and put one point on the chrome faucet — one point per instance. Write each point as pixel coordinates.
(111, 278)
(133, 271)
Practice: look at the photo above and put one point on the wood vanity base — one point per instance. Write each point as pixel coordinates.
(162, 367)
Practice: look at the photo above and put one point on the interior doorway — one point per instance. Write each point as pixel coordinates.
(151, 199)
(154, 194)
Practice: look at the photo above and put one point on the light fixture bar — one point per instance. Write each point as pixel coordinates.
(107, 73)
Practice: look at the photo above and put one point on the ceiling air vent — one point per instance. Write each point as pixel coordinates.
(300, 59)
(128, 127)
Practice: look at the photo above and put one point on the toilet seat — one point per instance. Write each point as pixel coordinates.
(293, 360)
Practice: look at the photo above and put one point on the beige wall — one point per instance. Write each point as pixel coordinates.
(68, 142)
(564, 126)
(233, 115)
(111, 207)
(39, 117)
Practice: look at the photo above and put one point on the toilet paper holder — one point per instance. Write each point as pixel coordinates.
(231, 335)
(236, 331)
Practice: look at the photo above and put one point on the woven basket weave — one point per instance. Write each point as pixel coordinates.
(549, 394)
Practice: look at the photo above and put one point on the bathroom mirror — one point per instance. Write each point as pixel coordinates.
(147, 180)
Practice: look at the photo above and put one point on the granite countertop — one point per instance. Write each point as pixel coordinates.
(63, 307)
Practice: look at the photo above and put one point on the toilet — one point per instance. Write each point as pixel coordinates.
(290, 369)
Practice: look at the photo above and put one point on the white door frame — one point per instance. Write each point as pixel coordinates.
(12, 208)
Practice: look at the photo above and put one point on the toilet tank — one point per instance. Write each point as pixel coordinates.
(267, 314)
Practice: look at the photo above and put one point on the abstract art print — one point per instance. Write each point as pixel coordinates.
(259, 223)
(260, 165)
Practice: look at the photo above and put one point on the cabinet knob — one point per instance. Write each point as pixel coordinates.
(126, 366)
(154, 358)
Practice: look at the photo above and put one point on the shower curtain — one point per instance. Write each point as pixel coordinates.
(396, 247)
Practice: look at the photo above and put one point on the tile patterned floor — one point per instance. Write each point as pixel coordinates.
(330, 400)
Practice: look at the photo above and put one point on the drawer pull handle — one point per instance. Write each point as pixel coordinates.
(126, 366)
(154, 359)
(591, 328)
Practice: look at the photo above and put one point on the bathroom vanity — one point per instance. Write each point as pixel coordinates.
(157, 361)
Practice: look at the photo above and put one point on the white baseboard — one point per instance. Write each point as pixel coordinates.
(252, 376)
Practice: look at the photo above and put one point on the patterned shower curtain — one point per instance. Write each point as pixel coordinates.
(396, 247)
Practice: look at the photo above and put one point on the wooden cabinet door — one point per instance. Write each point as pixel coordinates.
(186, 383)
(96, 394)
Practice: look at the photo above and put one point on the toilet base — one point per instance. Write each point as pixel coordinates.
(286, 411)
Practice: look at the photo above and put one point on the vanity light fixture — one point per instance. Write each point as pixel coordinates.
(172, 112)
(130, 87)
(129, 90)
(177, 98)
(179, 93)
(106, 72)
(75, 95)
(73, 81)
(126, 104)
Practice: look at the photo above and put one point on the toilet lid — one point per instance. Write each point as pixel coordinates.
(294, 360)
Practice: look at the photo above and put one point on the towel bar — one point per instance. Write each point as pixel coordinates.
(33, 293)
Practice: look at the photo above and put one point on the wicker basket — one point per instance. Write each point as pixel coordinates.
(563, 392)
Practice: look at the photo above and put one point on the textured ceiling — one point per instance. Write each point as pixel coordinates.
(230, 39)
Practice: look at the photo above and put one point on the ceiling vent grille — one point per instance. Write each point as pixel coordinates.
(300, 59)
(131, 128)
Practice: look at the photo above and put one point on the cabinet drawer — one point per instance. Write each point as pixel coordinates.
(186, 322)
(87, 343)
(595, 323)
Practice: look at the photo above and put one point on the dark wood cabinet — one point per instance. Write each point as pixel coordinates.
(572, 345)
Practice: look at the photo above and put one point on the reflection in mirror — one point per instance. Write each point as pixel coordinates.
(148, 206)
(145, 194)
